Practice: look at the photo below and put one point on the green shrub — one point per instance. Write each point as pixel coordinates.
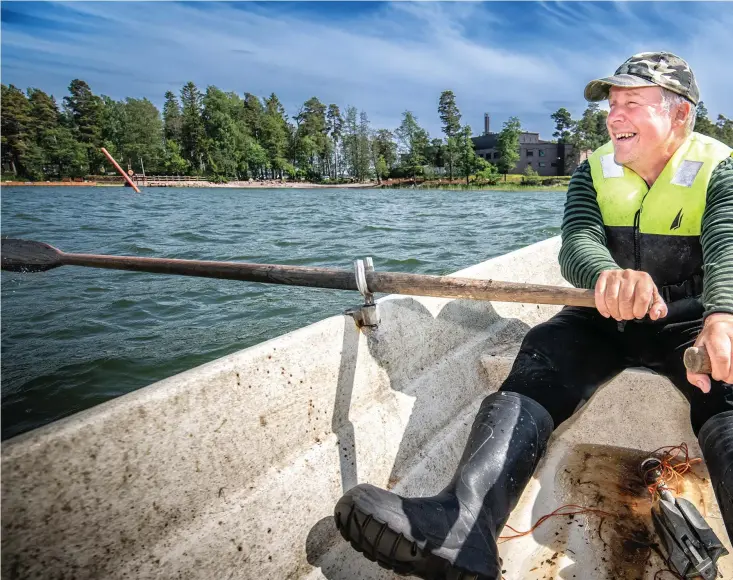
(488, 175)
(530, 176)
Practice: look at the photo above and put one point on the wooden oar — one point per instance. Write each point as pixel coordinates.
(30, 256)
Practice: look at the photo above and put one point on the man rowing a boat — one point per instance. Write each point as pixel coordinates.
(649, 224)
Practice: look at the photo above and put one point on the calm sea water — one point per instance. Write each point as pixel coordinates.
(74, 337)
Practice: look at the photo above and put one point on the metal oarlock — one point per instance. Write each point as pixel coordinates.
(366, 314)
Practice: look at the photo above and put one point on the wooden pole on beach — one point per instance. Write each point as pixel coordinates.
(119, 169)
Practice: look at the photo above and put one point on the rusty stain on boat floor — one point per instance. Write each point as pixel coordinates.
(623, 548)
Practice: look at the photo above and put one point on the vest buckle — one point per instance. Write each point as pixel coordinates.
(666, 294)
(689, 288)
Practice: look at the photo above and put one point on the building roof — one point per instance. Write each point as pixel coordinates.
(485, 141)
(489, 141)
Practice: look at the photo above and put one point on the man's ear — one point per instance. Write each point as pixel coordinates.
(684, 110)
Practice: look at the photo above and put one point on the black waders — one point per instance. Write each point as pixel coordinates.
(453, 535)
(716, 442)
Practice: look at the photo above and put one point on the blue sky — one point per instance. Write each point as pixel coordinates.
(506, 58)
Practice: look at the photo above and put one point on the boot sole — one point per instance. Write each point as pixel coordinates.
(393, 550)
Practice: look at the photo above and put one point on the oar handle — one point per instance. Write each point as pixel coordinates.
(697, 360)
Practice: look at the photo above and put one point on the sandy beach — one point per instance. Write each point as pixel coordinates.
(287, 184)
(267, 184)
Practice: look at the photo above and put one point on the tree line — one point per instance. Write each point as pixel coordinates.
(221, 135)
(225, 136)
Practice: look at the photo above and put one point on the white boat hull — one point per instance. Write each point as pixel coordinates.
(232, 469)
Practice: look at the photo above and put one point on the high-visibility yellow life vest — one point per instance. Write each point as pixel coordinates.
(657, 229)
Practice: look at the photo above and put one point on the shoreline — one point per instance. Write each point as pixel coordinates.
(289, 185)
(50, 183)
(281, 185)
(196, 184)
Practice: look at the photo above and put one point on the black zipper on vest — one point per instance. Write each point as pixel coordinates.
(637, 241)
(637, 234)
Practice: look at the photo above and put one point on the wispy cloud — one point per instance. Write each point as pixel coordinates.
(525, 59)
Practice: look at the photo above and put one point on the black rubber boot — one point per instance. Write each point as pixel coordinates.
(453, 535)
(716, 442)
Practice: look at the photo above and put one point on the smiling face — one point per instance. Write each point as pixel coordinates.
(641, 129)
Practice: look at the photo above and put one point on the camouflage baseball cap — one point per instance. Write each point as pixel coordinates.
(648, 69)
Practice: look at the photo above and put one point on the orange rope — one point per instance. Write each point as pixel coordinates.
(579, 510)
(672, 468)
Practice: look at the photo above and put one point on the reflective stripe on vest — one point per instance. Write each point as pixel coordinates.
(657, 229)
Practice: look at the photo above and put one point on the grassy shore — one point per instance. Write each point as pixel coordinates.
(505, 183)
(497, 187)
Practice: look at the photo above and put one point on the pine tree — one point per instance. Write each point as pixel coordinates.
(365, 152)
(17, 133)
(312, 136)
(451, 119)
(335, 124)
(467, 159)
(724, 130)
(192, 127)
(172, 120)
(84, 109)
(275, 133)
(350, 138)
(386, 148)
(59, 154)
(142, 135)
(112, 123)
(253, 115)
(508, 145)
(414, 141)
(564, 125)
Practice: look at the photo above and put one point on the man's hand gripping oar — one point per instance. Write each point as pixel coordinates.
(631, 294)
(717, 339)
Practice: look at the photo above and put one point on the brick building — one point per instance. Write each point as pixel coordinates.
(545, 157)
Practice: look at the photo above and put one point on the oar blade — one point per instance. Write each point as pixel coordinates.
(28, 256)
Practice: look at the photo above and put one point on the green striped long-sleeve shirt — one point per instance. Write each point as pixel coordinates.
(584, 255)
